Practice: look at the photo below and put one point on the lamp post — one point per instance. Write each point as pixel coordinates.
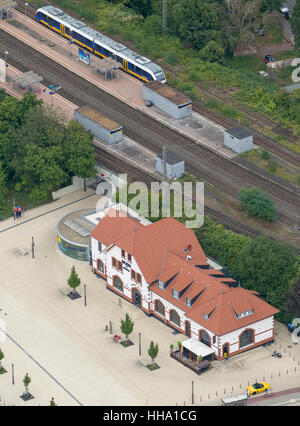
(26, 4)
(6, 53)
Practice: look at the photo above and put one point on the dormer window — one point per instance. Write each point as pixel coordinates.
(161, 284)
(175, 294)
(245, 314)
(188, 302)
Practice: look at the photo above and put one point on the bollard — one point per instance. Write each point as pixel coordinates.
(287, 371)
(217, 393)
(208, 396)
(279, 374)
(224, 391)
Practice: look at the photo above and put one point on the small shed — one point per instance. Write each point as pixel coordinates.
(167, 99)
(238, 139)
(169, 165)
(101, 126)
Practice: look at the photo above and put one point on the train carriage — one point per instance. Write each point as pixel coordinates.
(98, 44)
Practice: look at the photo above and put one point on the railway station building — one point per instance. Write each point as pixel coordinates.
(167, 99)
(161, 268)
(101, 126)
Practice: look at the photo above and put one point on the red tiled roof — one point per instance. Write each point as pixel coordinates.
(148, 244)
(161, 251)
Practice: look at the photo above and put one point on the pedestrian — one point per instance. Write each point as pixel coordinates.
(20, 212)
(15, 213)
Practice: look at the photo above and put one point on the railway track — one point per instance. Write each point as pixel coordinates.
(200, 161)
(267, 143)
(106, 160)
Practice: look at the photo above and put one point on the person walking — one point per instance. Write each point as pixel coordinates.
(15, 213)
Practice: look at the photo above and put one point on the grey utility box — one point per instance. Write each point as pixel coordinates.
(167, 99)
(238, 139)
(174, 166)
(101, 126)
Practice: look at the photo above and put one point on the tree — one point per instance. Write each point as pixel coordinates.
(153, 351)
(257, 203)
(52, 403)
(79, 151)
(295, 23)
(292, 304)
(212, 52)
(266, 267)
(74, 280)
(270, 5)
(26, 382)
(144, 7)
(197, 23)
(1, 358)
(127, 326)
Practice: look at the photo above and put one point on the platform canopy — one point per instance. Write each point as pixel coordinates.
(5, 5)
(27, 80)
(198, 348)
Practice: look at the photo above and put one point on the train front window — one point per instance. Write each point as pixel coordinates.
(160, 76)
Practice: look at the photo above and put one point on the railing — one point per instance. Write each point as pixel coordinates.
(197, 367)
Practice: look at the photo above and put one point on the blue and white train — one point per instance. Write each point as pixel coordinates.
(98, 44)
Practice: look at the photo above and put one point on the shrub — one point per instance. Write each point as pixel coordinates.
(265, 155)
(272, 166)
(257, 203)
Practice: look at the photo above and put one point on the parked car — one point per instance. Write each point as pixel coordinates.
(268, 59)
(283, 8)
(258, 388)
(291, 328)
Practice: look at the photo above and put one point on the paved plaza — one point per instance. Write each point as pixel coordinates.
(64, 347)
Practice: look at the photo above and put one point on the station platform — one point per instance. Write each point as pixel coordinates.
(198, 128)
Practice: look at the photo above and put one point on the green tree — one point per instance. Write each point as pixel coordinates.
(257, 203)
(144, 7)
(267, 267)
(212, 52)
(79, 151)
(1, 358)
(74, 280)
(153, 351)
(4, 209)
(270, 5)
(52, 403)
(292, 304)
(127, 326)
(26, 382)
(197, 23)
(295, 23)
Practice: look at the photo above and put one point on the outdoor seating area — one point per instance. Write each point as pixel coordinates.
(194, 355)
(197, 366)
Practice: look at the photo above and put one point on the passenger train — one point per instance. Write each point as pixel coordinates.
(98, 44)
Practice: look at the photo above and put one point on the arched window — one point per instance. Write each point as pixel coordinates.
(204, 338)
(159, 308)
(117, 283)
(100, 266)
(246, 338)
(175, 318)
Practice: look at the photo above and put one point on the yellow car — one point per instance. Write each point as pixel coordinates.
(257, 388)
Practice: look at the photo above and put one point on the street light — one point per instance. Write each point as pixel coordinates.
(26, 4)
(6, 53)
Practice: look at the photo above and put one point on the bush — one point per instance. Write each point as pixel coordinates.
(272, 166)
(212, 52)
(257, 203)
(265, 155)
(172, 58)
